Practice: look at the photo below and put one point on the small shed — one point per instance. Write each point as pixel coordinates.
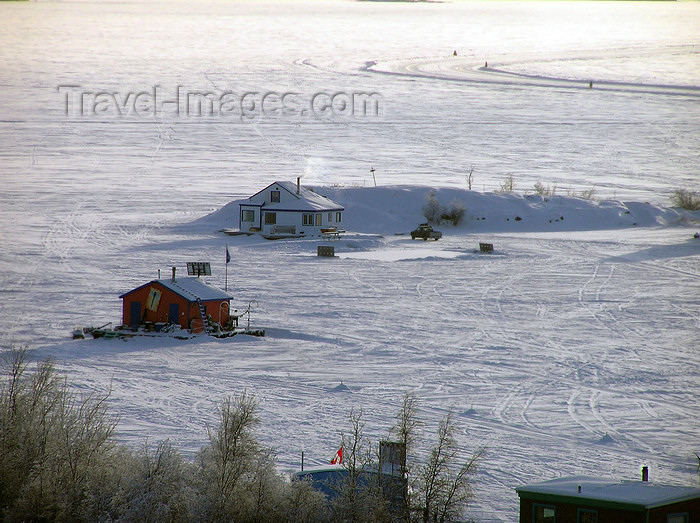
(176, 301)
(584, 499)
(284, 209)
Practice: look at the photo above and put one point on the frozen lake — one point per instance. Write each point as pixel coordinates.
(542, 350)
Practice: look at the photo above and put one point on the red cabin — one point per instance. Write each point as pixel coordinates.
(176, 301)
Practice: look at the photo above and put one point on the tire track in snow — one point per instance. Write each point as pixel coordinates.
(604, 284)
(594, 405)
(619, 326)
(518, 430)
(582, 290)
(469, 70)
(503, 409)
(500, 409)
(607, 428)
(572, 409)
(665, 268)
(672, 406)
(523, 414)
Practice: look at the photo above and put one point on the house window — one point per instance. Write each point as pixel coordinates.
(275, 196)
(544, 514)
(677, 518)
(270, 218)
(584, 515)
(337, 217)
(307, 218)
(319, 217)
(248, 216)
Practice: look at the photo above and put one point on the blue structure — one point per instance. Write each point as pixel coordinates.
(331, 479)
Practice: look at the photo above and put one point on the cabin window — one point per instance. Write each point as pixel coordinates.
(330, 217)
(270, 218)
(544, 514)
(337, 217)
(307, 218)
(584, 515)
(677, 518)
(248, 216)
(275, 196)
(319, 217)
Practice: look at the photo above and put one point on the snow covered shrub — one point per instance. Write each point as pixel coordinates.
(56, 453)
(545, 191)
(587, 194)
(685, 199)
(507, 185)
(161, 487)
(229, 460)
(240, 482)
(303, 504)
(454, 214)
(436, 214)
(432, 210)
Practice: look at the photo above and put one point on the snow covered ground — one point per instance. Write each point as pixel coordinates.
(572, 349)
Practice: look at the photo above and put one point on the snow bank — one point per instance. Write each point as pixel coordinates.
(398, 209)
(389, 210)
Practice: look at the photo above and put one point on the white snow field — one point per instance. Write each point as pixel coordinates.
(571, 349)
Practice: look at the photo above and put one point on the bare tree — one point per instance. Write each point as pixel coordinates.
(230, 459)
(470, 178)
(404, 432)
(359, 498)
(444, 487)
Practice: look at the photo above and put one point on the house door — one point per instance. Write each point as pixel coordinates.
(135, 314)
(174, 313)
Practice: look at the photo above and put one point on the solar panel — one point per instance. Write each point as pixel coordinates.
(199, 268)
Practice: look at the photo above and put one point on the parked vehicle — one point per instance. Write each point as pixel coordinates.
(425, 232)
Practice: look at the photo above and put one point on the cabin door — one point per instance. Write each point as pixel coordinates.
(135, 314)
(174, 313)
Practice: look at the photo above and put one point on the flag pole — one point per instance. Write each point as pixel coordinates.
(226, 282)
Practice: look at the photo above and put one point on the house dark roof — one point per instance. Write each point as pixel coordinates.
(189, 288)
(640, 494)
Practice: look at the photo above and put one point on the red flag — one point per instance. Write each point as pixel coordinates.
(338, 458)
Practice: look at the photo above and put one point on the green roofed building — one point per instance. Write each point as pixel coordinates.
(583, 499)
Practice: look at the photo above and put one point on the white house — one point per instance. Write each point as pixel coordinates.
(285, 209)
